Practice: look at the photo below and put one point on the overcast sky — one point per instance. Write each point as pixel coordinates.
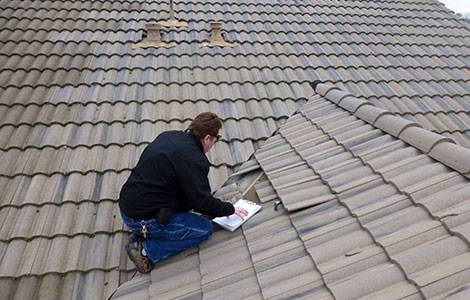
(458, 6)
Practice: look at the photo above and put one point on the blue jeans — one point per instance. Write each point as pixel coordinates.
(184, 230)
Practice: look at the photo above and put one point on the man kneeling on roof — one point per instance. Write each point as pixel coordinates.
(169, 180)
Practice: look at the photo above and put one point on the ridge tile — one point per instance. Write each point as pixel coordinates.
(421, 138)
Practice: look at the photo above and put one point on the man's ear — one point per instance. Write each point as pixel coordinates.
(206, 139)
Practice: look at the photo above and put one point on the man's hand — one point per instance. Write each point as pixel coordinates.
(241, 212)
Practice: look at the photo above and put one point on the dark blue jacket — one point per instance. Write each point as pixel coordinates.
(171, 173)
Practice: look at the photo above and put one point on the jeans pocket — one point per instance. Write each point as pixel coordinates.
(176, 232)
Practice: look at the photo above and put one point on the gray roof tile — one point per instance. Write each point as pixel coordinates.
(373, 280)
(72, 87)
(163, 285)
(33, 260)
(385, 206)
(137, 289)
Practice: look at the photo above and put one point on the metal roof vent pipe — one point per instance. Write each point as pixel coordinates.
(216, 37)
(172, 21)
(153, 38)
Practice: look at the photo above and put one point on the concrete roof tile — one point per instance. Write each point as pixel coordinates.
(295, 176)
(294, 274)
(318, 235)
(350, 264)
(409, 159)
(279, 162)
(20, 190)
(448, 276)
(459, 160)
(412, 236)
(69, 54)
(307, 291)
(323, 89)
(401, 290)
(242, 284)
(265, 191)
(430, 182)
(336, 95)
(411, 177)
(337, 174)
(59, 246)
(459, 138)
(270, 245)
(218, 266)
(320, 148)
(429, 254)
(368, 197)
(185, 266)
(387, 159)
(459, 292)
(393, 125)
(338, 246)
(455, 196)
(275, 272)
(421, 138)
(137, 289)
(390, 221)
(324, 214)
(371, 281)
(352, 104)
(358, 135)
(369, 113)
(304, 195)
(462, 230)
(323, 151)
(95, 285)
(332, 112)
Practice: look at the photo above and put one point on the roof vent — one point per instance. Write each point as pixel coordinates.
(172, 21)
(153, 38)
(216, 38)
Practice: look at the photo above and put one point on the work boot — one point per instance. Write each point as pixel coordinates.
(143, 263)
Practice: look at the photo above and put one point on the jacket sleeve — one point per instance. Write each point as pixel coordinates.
(192, 176)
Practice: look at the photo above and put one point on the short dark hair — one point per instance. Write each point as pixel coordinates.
(206, 123)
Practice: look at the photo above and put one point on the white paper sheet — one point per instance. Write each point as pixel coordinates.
(232, 222)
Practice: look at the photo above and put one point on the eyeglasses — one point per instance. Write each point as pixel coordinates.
(217, 138)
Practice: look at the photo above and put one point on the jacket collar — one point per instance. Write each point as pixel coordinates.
(195, 138)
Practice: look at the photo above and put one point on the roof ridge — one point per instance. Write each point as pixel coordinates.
(437, 146)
